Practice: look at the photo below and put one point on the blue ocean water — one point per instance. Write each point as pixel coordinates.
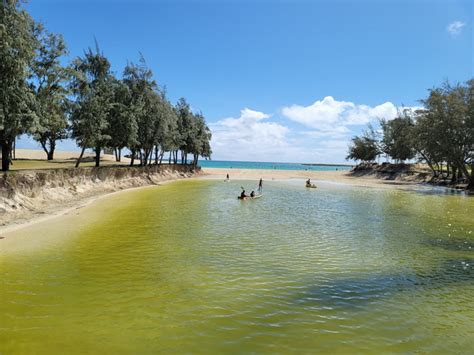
(268, 165)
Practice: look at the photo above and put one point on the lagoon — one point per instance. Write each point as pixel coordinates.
(186, 267)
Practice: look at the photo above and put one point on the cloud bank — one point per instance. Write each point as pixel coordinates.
(249, 137)
(330, 114)
(319, 132)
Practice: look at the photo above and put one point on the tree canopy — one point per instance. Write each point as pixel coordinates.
(440, 133)
(51, 101)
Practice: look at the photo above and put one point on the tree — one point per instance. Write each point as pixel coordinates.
(200, 144)
(365, 147)
(446, 117)
(94, 102)
(17, 50)
(122, 123)
(185, 128)
(470, 131)
(49, 79)
(396, 141)
(167, 130)
(423, 141)
(146, 106)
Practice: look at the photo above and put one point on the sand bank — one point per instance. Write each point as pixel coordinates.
(35, 195)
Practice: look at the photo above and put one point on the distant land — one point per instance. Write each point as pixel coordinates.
(318, 164)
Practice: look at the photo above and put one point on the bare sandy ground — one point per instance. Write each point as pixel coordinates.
(339, 176)
(35, 154)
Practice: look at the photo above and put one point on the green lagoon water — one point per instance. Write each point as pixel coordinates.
(187, 268)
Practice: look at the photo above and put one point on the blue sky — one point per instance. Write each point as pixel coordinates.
(279, 80)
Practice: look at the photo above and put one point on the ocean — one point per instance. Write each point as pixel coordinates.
(270, 166)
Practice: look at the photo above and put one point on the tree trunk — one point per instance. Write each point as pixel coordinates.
(14, 149)
(97, 157)
(80, 157)
(132, 160)
(156, 155)
(52, 148)
(161, 157)
(169, 159)
(45, 148)
(463, 169)
(6, 156)
(454, 177)
(470, 184)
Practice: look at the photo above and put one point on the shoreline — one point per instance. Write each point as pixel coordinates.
(52, 211)
(39, 196)
(57, 211)
(335, 176)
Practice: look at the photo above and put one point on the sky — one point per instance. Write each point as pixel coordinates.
(282, 80)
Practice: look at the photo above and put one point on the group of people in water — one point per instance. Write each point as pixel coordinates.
(252, 194)
(309, 184)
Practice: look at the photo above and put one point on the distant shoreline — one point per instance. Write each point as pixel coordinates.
(252, 165)
(317, 164)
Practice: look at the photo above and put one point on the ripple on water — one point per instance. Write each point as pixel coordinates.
(187, 265)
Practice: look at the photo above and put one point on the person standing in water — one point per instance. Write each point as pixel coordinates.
(227, 178)
(260, 185)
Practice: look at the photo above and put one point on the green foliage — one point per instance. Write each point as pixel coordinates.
(93, 88)
(49, 83)
(202, 135)
(146, 103)
(365, 147)
(17, 50)
(397, 137)
(122, 123)
(38, 95)
(440, 133)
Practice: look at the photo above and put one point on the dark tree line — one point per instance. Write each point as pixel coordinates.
(85, 100)
(441, 134)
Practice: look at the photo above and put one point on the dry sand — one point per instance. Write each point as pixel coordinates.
(34, 154)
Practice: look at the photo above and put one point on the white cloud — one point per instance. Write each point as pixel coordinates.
(330, 133)
(330, 114)
(328, 127)
(455, 28)
(249, 137)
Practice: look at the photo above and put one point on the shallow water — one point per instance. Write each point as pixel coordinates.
(186, 267)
